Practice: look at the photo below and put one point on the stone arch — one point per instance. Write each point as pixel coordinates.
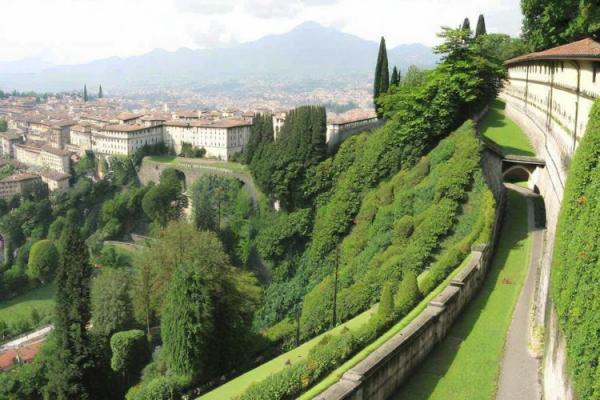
(516, 173)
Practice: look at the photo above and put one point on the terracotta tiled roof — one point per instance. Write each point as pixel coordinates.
(229, 123)
(57, 152)
(20, 177)
(124, 128)
(125, 116)
(587, 48)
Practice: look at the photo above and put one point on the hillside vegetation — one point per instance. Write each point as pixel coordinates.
(575, 269)
(427, 215)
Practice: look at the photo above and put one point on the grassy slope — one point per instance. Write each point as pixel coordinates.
(466, 364)
(20, 307)
(237, 386)
(504, 132)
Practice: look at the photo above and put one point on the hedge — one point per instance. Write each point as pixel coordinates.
(575, 268)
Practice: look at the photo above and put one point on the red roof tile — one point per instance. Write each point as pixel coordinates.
(587, 48)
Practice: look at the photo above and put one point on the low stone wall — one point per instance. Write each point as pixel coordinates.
(336, 140)
(379, 375)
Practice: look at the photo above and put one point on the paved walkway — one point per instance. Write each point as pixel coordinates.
(30, 337)
(519, 372)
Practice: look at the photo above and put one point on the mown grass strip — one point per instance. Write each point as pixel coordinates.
(501, 130)
(466, 364)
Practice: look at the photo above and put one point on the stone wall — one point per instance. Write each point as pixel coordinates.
(551, 183)
(379, 375)
(150, 172)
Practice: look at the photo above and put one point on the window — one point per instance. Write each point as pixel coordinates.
(594, 72)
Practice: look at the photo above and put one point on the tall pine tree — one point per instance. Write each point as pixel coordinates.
(100, 94)
(382, 75)
(69, 371)
(480, 30)
(85, 96)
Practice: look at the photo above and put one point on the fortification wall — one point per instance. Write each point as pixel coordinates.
(551, 183)
(380, 374)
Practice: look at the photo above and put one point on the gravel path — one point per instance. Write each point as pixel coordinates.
(519, 379)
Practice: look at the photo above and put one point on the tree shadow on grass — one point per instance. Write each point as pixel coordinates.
(425, 379)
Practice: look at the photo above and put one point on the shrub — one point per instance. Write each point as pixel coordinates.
(43, 261)
(130, 352)
(408, 294)
(162, 388)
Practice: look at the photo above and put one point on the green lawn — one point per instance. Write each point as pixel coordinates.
(466, 364)
(504, 132)
(201, 162)
(162, 159)
(20, 307)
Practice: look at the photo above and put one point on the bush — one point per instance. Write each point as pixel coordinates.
(407, 295)
(43, 261)
(161, 388)
(130, 352)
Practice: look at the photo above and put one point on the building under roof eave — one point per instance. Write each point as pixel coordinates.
(584, 49)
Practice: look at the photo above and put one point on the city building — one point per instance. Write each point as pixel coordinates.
(221, 139)
(55, 180)
(16, 185)
(8, 141)
(45, 157)
(124, 139)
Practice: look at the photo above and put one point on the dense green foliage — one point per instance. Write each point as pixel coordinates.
(414, 220)
(502, 47)
(382, 75)
(43, 261)
(575, 268)
(130, 352)
(3, 125)
(187, 150)
(261, 132)
(280, 167)
(549, 23)
(111, 302)
(165, 202)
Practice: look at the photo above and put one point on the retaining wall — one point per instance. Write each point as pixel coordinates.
(556, 384)
(379, 375)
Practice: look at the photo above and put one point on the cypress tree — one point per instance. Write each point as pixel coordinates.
(85, 96)
(69, 371)
(480, 30)
(394, 79)
(466, 24)
(100, 94)
(382, 74)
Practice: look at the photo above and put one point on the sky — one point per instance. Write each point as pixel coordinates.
(78, 31)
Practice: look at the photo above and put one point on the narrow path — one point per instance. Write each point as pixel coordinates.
(519, 372)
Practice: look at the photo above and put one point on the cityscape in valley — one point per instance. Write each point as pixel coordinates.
(319, 199)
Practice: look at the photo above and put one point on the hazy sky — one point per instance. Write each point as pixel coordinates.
(74, 31)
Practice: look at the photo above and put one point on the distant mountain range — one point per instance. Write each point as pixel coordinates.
(308, 53)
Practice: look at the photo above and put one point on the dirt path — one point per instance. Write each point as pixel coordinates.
(519, 372)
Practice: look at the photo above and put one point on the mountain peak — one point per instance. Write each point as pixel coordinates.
(309, 26)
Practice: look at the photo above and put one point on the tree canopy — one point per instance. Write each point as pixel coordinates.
(549, 23)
